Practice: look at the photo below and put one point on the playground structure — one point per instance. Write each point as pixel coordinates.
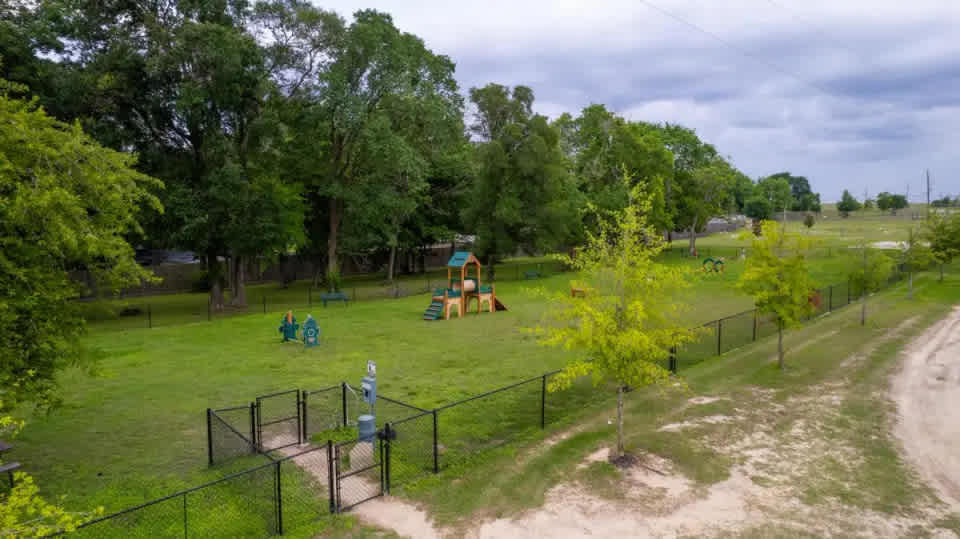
(711, 265)
(459, 292)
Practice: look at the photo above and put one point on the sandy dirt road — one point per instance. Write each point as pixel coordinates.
(927, 394)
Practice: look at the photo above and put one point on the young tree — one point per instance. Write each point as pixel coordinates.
(803, 198)
(626, 325)
(943, 235)
(915, 255)
(847, 204)
(777, 275)
(869, 272)
(809, 220)
(887, 201)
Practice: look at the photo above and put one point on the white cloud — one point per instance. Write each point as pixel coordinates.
(891, 70)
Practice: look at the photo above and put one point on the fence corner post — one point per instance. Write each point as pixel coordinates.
(303, 416)
(543, 402)
(300, 417)
(209, 438)
(385, 444)
(279, 500)
(436, 459)
(331, 480)
(343, 402)
(253, 427)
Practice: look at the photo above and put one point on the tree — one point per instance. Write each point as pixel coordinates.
(759, 209)
(65, 203)
(627, 324)
(777, 275)
(741, 190)
(942, 233)
(887, 201)
(869, 272)
(868, 204)
(847, 204)
(777, 192)
(802, 197)
(523, 197)
(809, 220)
(915, 255)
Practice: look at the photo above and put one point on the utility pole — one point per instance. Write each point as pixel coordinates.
(928, 194)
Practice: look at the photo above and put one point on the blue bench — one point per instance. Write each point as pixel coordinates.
(335, 296)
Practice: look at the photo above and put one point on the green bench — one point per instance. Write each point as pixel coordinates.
(531, 274)
(334, 296)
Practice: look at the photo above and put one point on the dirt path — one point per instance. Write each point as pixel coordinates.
(927, 393)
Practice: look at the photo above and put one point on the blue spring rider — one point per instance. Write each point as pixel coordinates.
(311, 332)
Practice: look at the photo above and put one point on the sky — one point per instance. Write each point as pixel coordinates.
(853, 94)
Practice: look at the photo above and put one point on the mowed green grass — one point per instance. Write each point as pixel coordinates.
(135, 430)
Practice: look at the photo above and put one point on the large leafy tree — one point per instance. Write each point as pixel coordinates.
(942, 233)
(601, 145)
(701, 183)
(523, 196)
(777, 275)
(801, 196)
(777, 191)
(892, 202)
(375, 77)
(66, 203)
(847, 204)
(625, 326)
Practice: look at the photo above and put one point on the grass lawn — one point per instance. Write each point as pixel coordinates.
(136, 429)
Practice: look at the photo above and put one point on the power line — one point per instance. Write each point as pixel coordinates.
(743, 52)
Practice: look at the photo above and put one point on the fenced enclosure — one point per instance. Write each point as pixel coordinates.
(309, 475)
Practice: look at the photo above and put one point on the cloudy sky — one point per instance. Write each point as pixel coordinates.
(858, 94)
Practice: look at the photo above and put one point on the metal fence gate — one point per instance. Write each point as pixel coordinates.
(278, 420)
(359, 471)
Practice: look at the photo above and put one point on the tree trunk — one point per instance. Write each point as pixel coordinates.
(239, 286)
(334, 210)
(693, 241)
(393, 261)
(620, 420)
(216, 290)
(910, 287)
(780, 345)
(491, 269)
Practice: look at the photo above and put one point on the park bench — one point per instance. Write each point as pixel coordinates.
(8, 467)
(575, 292)
(334, 296)
(531, 274)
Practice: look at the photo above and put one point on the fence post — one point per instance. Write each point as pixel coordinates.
(330, 478)
(279, 501)
(719, 333)
(253, 426)
(385, 448)
(299, 419)
(209, 438)
(543, 402)
(149, 317)
(830, 308)
(436, 460)
(755, 320)
(673, 360)
(303, 416)
(343, 401)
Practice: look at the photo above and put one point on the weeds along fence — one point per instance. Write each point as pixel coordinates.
(731, 332)
(177, 309)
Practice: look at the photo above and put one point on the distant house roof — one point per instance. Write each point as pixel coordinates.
(461, 259)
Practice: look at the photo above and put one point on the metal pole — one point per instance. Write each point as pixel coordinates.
(330, 478)
(299, 419)
(385, 447)
(303, 416)
(184, 515)
(754, 325)
(543, 402)
(253, 426)
(209, 438)
(673, 360)
(343, 395)
(436, 460)
(719, 333)
(279, 501)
